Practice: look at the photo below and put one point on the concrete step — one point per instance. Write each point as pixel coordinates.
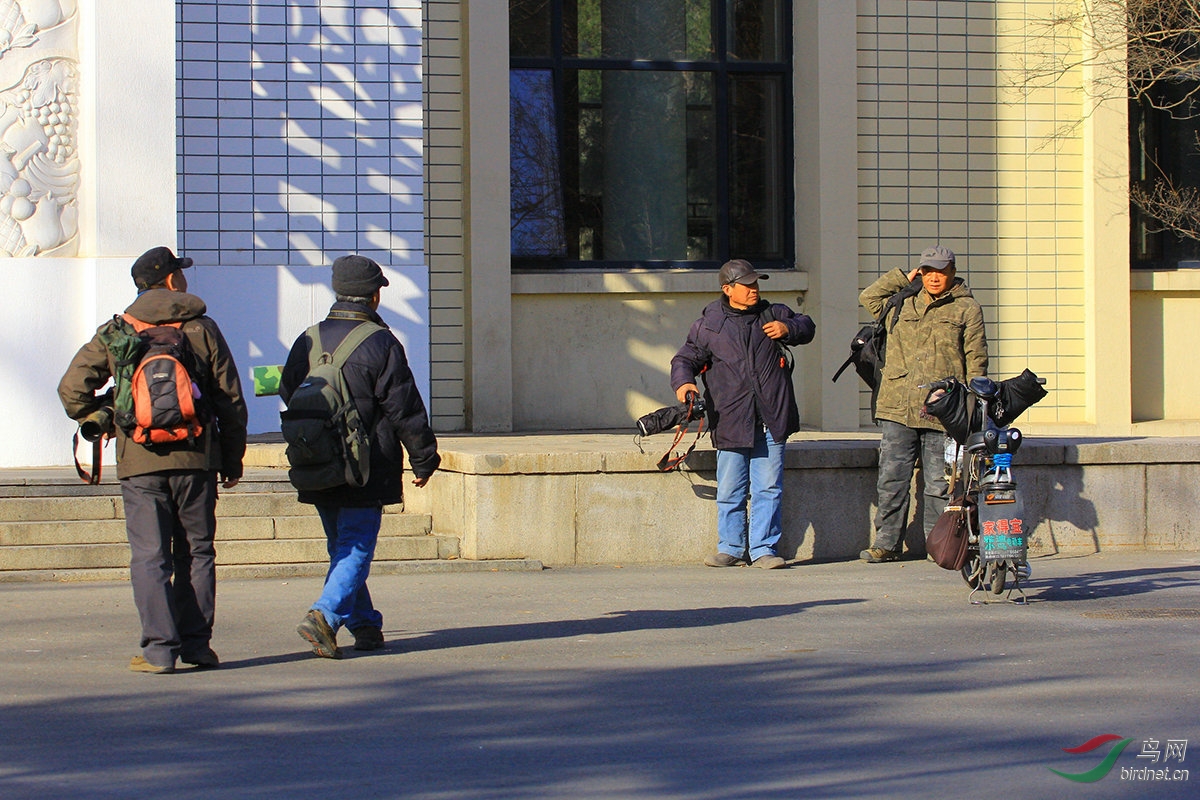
(229, 506)
(249, 571)
(229, 552)
(112, 531)
(54, 527)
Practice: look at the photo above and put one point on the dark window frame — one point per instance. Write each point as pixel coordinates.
(1167, 143)
(724, 68)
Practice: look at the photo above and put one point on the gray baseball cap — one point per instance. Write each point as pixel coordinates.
(937, 257)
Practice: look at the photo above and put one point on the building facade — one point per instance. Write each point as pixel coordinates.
(549, 231)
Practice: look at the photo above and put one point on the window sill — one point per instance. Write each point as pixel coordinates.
(644, 282)
(1166, 280)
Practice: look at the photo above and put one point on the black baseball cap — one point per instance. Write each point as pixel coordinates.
(739, 270)
(153, 266)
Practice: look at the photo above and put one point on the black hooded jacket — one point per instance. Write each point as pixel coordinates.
(744, 382)
(382, 386)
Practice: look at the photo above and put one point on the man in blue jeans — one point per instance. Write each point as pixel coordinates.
(383, 390)
(736, 344)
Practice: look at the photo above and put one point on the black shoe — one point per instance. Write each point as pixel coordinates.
(205, 659)
(316, 631)
(368, 637)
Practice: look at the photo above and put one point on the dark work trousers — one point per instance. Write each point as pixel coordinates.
(170, 519)
(899, 448)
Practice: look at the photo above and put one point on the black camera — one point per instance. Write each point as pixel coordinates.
(672, 416)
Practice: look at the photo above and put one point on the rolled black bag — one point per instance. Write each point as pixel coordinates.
(1015, 395)
(954, 409)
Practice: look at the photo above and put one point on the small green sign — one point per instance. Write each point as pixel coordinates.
(266, 380)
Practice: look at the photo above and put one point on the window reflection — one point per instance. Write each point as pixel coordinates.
(637, 143)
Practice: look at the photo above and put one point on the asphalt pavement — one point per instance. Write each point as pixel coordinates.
(832, 680)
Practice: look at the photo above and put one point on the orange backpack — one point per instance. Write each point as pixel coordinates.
(167, 403)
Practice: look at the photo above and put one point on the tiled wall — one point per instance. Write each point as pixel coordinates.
(951, 150)
(444, 210)
(299, 131)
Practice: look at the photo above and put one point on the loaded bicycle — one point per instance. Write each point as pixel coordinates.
(986, 506)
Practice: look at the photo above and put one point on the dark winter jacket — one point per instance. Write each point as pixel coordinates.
(221, 449)
(745, 384)
(383, 389)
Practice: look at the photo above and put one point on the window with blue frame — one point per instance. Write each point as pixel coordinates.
(650, 133)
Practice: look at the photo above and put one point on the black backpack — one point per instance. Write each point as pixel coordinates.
(328, 443)
(868, 348)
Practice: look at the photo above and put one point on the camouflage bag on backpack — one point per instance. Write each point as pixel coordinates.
(156, 381)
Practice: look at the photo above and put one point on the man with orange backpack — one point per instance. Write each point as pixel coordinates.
(180, 428)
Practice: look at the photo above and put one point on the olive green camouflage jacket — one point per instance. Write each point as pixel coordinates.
(933, 339)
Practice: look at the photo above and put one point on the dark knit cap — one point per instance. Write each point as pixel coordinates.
(357, 276)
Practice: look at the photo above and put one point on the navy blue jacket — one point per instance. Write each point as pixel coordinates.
(745, 383)
(382, 385)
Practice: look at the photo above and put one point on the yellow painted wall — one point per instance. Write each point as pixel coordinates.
(953, 150)
(1027, 184)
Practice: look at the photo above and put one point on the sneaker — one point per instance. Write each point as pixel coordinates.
(205, 659)
(140, 664)
(316, 631)
(368, 637)
(769, 562)
(877, 555)
(724, 560)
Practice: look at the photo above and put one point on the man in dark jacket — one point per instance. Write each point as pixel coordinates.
(170, 490)
(383, 390)
(752, 408)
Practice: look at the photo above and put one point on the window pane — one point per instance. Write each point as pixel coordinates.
(645, 186)
(1163, 176)
(756, 30)
(757, 172)
(529, 28)
(536, 201)
(661, 30)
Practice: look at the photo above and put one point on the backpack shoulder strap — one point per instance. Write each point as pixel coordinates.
(785, 353)
(140, 326)
(359, 334)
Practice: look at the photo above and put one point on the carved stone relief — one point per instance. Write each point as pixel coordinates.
(39, 110)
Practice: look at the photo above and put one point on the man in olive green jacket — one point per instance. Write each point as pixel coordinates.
(938, 334)
(169, 490)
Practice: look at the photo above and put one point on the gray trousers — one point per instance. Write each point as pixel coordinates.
(900, 447)
(170, 519)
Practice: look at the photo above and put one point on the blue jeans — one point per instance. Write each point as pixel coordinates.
(754, 474)
(350, 535)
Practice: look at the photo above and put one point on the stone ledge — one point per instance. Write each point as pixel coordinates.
(574, 453)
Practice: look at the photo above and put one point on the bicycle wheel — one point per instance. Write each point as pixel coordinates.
(998, 576)
(972, 571)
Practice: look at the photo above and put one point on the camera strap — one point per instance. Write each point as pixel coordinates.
(671, 462)
(97, 454)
